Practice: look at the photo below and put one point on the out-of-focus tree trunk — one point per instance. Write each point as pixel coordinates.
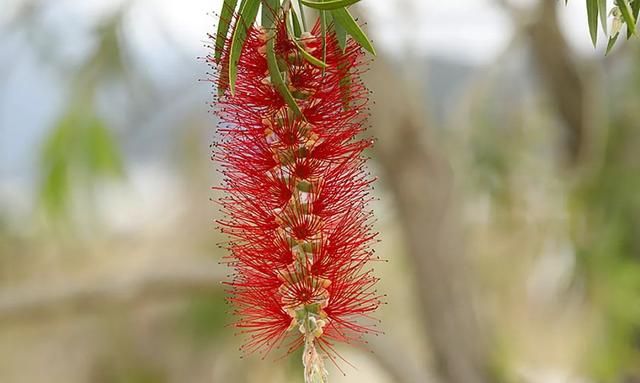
(561, 77)
(421, 181)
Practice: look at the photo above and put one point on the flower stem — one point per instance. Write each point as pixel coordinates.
(314, 370)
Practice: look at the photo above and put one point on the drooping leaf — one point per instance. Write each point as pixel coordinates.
(592, 17)
(341, 35)
(247, 16)
(57, 143)
(627, 16)
(302, 17)
(309, 57)
(328, 5)
(346, 21)
(635, 7)
(269, 12)
(297, 29)
(277, 80)
(101, 150)
(306, 55)
(328, 20)
(612, 42)
(325, 23)
(54, 192)
(55, 160)
(79, 149)
(602, 11)
(228, 7)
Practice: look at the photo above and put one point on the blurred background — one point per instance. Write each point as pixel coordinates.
(509, 197)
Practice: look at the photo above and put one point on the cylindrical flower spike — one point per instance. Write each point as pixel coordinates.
(296, 197)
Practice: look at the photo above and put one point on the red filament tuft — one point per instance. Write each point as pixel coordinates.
(297, 193)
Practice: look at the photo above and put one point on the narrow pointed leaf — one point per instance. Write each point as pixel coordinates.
(602, 11)
(635, 7)
(302, 17)
(612, 42)
(328, 5)
(269, 12)
(277, 80)
(306, 55)
(309, 57)
(346, 21)
(102, 154)
(592, 17)
(341, 35)
(228, 7)
(627, 15)
(248, 14)
(323, 32)
(297, 29)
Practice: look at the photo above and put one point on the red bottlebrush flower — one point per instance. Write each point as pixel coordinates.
(296, 197)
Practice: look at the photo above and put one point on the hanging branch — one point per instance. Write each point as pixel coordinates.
(296, 187)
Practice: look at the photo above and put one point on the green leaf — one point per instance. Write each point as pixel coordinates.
(635, 6)
(627, 15)
(248, 14)
(102, 152)
(59, 144)
(302, 17)
(328, 5)
(328, 20)
(325, 20)
(309, 57)
(277, 80)
(341, 35)
(602, 11)
(612, 42)
(55, 160)
(79, 148)
(297, 29)
(269, 12)
(55, 187)
(346, 21)
(228, 7)
(592, 17)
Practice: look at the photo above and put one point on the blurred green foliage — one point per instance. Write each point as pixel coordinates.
(127, 369)
(132, 375)
(606, 212)
(79, 150)
(491, 160)
(206, 318)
